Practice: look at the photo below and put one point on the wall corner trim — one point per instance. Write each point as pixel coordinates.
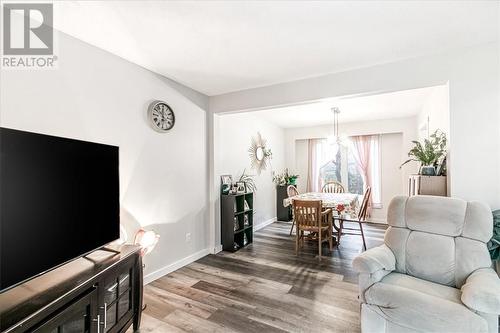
(217, 249)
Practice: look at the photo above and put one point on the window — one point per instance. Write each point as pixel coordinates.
(355, 182)
(331, 171)
(333, 162)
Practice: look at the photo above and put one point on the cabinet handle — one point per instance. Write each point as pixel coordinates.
(105, 309)
(98, 322)
(105, 315)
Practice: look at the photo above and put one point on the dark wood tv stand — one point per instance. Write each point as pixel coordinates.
(99, 293)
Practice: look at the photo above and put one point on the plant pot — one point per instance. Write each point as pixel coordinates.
(428, 170)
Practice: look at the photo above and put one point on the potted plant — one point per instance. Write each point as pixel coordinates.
(248, 181)
(285, 178)
(428, 153)
(494, 243)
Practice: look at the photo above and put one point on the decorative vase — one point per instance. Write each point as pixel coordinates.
(428, 170)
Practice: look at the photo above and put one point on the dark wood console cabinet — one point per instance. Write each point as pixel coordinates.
(98, 293)
(282, 213)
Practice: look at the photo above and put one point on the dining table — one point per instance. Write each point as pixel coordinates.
(328, 200)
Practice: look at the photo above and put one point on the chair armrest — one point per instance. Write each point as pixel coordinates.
(326, 211)
(481, 291)
(375, 259)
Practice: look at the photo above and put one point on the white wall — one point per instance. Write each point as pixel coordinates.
(235, 134)
(436, 111)
(96, 96)
(474, 83)
(394, 144)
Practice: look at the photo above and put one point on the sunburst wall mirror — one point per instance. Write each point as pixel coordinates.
(260, 155)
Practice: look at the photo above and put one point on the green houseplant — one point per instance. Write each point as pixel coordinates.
(285, 178)
(428, 153)
(249, 181)
(494, 243)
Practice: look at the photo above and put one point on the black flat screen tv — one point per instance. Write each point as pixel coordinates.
(59, 200)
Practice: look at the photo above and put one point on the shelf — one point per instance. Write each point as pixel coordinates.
(233, 213)
(245, 228)
(238, 194)
(243, 212)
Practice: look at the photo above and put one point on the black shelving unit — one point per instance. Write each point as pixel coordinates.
(282, 213)
(236, 221)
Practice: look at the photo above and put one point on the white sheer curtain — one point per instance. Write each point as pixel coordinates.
(312, 165)
(367, 154)
(320, 152)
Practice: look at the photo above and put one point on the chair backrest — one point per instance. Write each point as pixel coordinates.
(363, 209)
(333, 187)
(307, 213)
(292, 191)
(439, 239)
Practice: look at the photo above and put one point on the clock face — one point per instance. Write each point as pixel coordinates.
(161, 116)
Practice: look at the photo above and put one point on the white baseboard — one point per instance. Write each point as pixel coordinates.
(264, 224)
(217, 249)
(175, 266)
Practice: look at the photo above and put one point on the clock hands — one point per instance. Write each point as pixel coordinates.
(162, 116)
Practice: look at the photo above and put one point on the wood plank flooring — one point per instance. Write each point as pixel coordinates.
(262, 288)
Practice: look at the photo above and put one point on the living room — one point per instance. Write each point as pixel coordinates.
(230, 71)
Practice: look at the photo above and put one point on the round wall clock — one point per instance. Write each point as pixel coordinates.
(162, 116)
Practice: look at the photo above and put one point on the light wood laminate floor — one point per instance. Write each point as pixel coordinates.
(262, 288)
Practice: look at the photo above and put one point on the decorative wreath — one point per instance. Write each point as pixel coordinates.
(260, 155)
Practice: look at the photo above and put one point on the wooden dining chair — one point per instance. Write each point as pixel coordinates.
(333, 187)
(292, 191)
(362, 213)
(309, 217)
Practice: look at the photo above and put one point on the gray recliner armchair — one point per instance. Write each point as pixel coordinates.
(433, 273)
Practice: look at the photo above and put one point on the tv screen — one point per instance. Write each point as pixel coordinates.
(59, 199)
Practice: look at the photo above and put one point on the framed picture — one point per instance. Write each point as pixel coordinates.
(226, 181)
(240, 187)
(441, 168)
(234, 189)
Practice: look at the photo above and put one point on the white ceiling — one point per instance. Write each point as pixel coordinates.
(222, 46)
(399, 104)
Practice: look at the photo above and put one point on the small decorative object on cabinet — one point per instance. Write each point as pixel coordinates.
(226, 182)
(249, 182)
(236, 225)
(427, 185)
(101, 292)
(240, 187)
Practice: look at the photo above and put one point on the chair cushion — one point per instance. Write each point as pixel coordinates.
(431, 257)
(438, 215)
(428, 234)
(422, 305)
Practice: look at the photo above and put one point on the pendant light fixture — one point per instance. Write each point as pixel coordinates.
(336, 134)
